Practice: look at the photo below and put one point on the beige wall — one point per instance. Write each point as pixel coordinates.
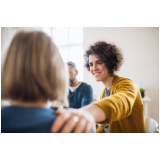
(140, 47)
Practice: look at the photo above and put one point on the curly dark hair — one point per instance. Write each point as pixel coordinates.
(108, 53)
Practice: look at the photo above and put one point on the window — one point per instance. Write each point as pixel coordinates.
(70, 44)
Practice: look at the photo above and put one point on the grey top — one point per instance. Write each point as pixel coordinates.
(106, 94)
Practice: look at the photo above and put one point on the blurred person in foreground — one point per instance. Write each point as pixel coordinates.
(80, 93)
(32, 74)
(120, 109)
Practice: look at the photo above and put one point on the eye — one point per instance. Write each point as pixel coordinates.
(90, 64)
(99, 62)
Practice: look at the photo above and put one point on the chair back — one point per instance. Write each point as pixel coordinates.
(150, 125)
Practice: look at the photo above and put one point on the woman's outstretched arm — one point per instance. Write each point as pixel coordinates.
(78, 120)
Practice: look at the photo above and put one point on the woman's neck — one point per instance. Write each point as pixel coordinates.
(39, 103)
(108, 82)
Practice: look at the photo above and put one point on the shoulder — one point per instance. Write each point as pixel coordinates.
(123, 84)
(25, 120)
(31, 116)
(6, 109)
(122, 80)
(85, 87)
(26, 111)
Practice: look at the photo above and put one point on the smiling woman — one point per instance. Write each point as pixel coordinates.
(97, 68)
(109, 54)
(103, 60)
(120, 99)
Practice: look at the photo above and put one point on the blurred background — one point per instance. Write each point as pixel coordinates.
(139, 45)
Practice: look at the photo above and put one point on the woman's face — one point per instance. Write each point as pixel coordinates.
(98, 68)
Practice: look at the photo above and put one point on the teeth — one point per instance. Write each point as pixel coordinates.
(96, 74)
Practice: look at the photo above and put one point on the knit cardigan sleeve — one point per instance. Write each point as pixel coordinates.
(119, 104)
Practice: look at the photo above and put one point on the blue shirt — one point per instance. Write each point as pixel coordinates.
(81, 97)
(16, 119)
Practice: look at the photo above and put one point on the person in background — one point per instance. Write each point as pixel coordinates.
(120, 109)
(32, 73)
(80, 93)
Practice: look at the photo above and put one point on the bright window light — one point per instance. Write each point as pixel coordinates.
(47, 30)
(76, 56)
(64, 53)
(61, 36)
(69, 41)
(75, 35)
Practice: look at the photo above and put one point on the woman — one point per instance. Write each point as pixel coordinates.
(120, 108)
(33, 73)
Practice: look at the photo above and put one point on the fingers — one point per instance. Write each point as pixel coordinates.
(65, 123)
(69, 126)
(88, 127)
(81, 124)
(60, 121)
(58, 111)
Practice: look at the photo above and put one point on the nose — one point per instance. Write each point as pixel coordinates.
(94, 67)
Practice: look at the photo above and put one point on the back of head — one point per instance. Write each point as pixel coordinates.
(33, 69)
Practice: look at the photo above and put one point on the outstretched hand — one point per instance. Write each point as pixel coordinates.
(73, 120)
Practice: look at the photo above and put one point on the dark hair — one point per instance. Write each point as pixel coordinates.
(72, 64)
(108, 53)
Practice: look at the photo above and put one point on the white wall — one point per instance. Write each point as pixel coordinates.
(140, 47)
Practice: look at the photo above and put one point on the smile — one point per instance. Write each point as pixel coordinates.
(96, 74)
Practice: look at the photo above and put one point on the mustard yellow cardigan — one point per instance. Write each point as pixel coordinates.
(123, 108)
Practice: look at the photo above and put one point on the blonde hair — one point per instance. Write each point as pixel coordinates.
(33, 69)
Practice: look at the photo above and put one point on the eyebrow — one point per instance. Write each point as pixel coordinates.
(97, 61)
